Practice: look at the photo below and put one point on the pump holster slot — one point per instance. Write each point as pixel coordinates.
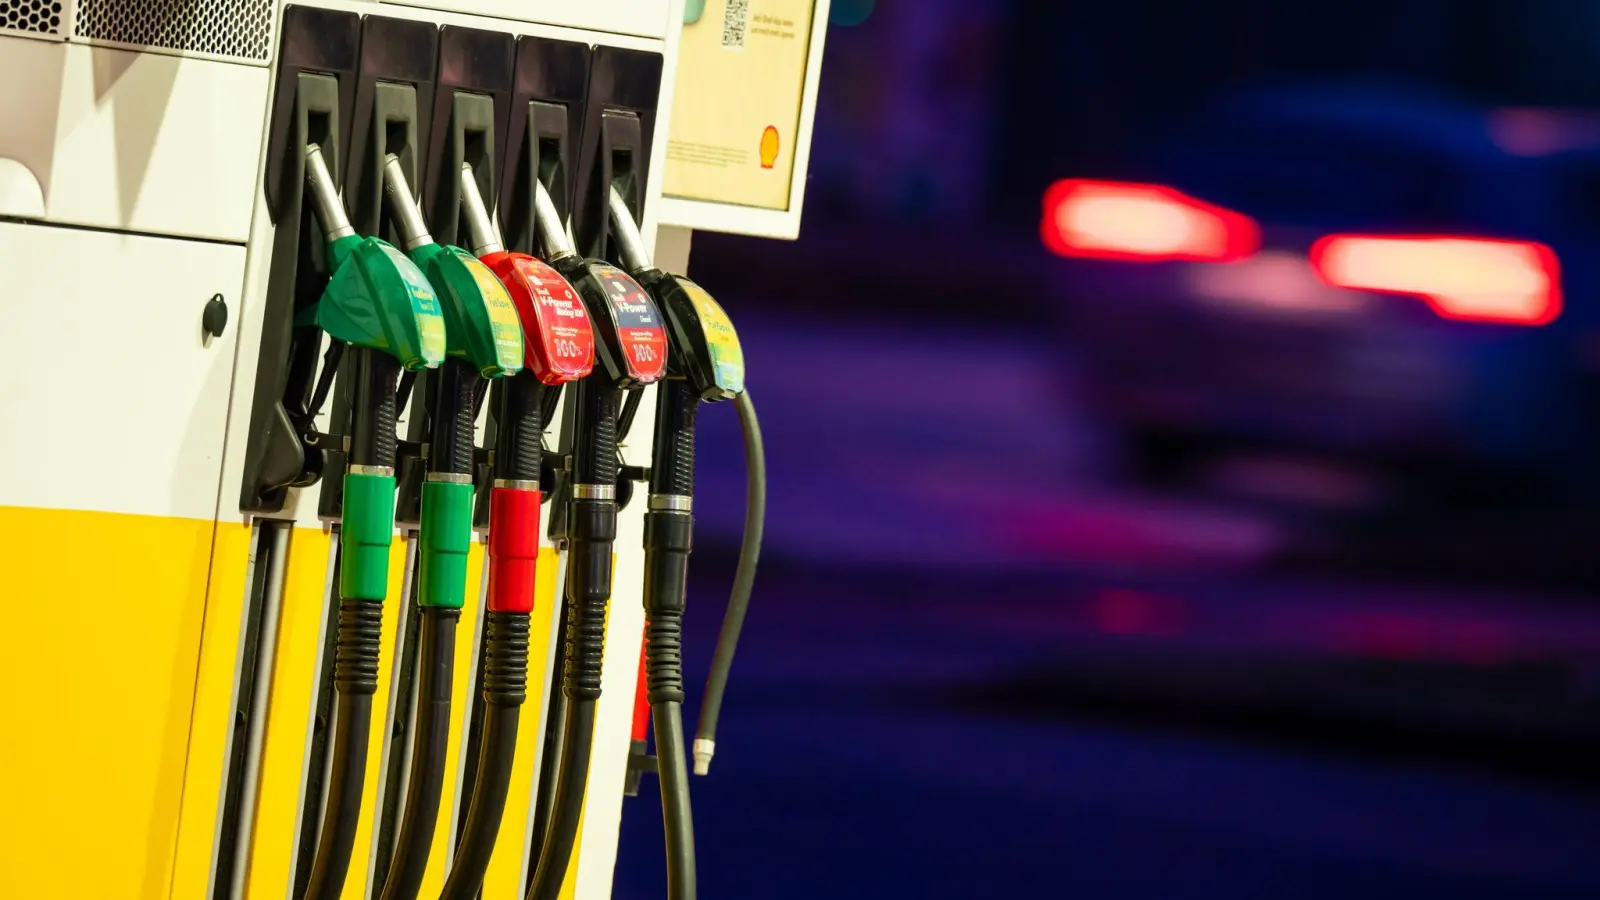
(471, 103)
(393, 98)
(620, 114)
(545, 118)
(318, 52)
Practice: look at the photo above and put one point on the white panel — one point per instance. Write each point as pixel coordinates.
(113, 400)
(645, 18)
(138, 141)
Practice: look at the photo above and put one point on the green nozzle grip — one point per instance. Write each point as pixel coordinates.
(446, 538)
(365, 536)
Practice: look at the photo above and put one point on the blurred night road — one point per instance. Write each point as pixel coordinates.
(925, 707)
(843, 772)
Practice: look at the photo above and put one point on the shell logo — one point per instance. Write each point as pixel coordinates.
(769, 147)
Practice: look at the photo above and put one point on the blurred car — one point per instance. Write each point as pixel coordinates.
(1378, 285)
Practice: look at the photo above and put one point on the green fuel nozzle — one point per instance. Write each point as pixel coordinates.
(376, 297)
(483, 339)
(481, 322)
(378, 302)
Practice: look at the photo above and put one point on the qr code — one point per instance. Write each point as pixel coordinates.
(735, 24)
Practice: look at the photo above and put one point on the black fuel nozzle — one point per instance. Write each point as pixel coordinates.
(705, 348)
(707, 364)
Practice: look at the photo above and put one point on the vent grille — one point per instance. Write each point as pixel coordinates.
(36, 16)
(236, 28)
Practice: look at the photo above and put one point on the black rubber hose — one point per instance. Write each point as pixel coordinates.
(593, 525)
(567, 810)
(668, 541)
(505, 688)
(555, 738)
(755, 519)
(519, 419)
(503, 673)
(355, 674)
(449, 452)
(432, 735)
(676, 816)
(360, 632)
(450, 445)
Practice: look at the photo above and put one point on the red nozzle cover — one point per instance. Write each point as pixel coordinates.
(513, 549)
(555, 326)
(641, 692)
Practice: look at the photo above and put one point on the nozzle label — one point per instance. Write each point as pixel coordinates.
(565, 338)
(644, 341)
(424, 304)
(503, 322)
(727, 356)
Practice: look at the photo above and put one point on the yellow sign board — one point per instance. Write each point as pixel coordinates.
(736, 110)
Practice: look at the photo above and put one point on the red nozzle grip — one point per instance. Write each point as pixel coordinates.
(513, 549)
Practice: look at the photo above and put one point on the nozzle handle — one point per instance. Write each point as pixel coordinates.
(407, 214)
(630, 243)
(325, 197)
(557, 244)
(481, 233)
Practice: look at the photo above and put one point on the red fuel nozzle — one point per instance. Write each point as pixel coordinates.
(555, 326)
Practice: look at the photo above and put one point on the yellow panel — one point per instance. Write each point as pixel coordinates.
(288, 713)
(461, 702)
(102, 668)
(501, 882)
(213, 709)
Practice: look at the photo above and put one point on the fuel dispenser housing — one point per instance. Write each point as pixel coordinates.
(232, 365)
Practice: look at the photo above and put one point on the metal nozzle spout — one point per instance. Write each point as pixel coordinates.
(407, 214)
(325, 197)
(553, 231)
(630, 243)
(482, 234)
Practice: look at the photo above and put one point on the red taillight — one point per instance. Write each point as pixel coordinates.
(1142, 222)
(1471, 279)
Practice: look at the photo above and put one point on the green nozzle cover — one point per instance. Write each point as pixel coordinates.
(480, 320)
(365, 536)
(377, 298)
(446, 538)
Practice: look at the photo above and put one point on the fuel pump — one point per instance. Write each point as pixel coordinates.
(380, 304)
(706, 363)
(484, 341)
(559, 350)
(630, 353)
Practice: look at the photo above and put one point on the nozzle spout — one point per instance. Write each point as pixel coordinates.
(407, 214)
(482, 234)
(551, 229)
(325, 197)
(630, 243)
